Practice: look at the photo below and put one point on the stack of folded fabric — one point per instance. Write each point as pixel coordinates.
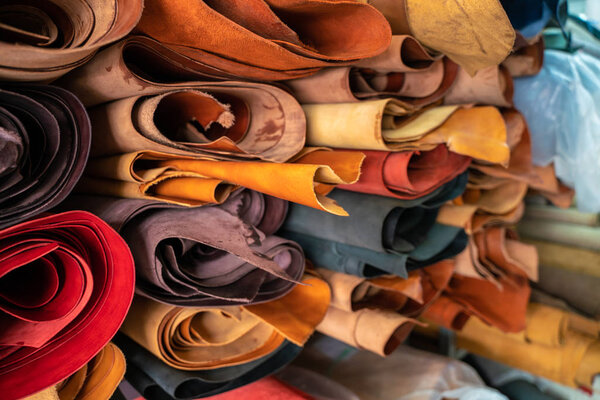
(256, 171)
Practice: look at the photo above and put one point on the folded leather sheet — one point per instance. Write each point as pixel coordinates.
(42, 40)
(490, 281)
(45, 138)
(386, 303)
(527, 58)
(181, 43)
(478, 132)
(408, 175)
(206, 256)
(67, 281)
(196, 339)
(243, 120)
(98, 379)
(379, 236)
(443, 242)
(492, 85)
(551, 346)
(284, 36)
(195, 181)
(375, 223)
(405, 71)
(155, 380)
(474, 35)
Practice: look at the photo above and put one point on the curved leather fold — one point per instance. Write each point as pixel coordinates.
(280, 35)
(492, 85)
(375, 223)
(474, 35)
(155, 380)
(196, 181)
(195, 339)
(172, 51)
(379, 237)
(490, 281)
(244, 120)
(478, 132)
(67, 281)
(550, 347)
(356, 328)
(408, 175)
(405, 71)
(206, 256)
(98, 379)
(45, 136)
(44, 40)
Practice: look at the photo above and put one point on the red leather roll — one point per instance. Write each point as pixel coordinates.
(409, 174)
(66, 284)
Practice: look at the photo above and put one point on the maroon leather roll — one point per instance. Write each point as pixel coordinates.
(410, 174)
(45, 137)
(66, 284)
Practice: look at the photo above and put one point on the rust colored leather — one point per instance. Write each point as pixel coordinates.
(496, 291)
(259, 40)
(97, 380)
(280, 35)
(408, 175)
(45, 40)
(245, 120)
(101, 376)
(200, 181)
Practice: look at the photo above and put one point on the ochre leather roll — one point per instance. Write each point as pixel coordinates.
(550, 347)
(478, 132)
(44, 40)
(97, 380)
(135, 175)
(194, 338)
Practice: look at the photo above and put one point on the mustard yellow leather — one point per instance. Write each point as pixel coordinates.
(474, 34)
(97, 380)
(385, 124)
(137, 175)
(549, 346)
(296, 314)
(199, 338)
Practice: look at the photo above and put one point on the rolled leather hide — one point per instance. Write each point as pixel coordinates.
(45, 136)
(66, 283)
